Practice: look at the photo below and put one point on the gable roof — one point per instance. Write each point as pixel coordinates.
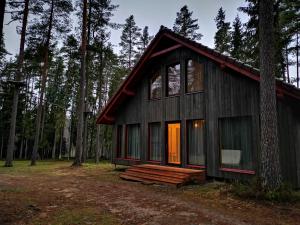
(166, 41)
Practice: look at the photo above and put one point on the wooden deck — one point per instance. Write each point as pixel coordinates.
(154, 174)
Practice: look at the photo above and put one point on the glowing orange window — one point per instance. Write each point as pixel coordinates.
(174, 143)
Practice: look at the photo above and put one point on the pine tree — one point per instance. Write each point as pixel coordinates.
(222, 36)
(270, 172)
(185, 25)
(53, 20)
(144, 41)
(80, 106)
(129, 41)
(2, 12)
(236, 49)
(12, 132)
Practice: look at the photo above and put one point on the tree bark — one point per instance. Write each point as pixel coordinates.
(61, 142)
(12, 131)
(2, 12)
(287, 65)
(54, 145)
(270, 172)
(80, 108)
(297, 59)
(43, 87)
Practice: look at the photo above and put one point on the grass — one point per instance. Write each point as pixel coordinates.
(78, 216)
(23, 167)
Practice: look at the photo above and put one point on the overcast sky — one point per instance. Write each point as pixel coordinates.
(154, 13)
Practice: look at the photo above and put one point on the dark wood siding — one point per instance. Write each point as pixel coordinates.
(226, 94)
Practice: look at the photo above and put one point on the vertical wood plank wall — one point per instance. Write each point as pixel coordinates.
(226, 94)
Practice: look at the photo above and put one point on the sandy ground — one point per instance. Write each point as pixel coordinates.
(95, 195)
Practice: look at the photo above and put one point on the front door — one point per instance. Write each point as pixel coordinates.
(173, 147)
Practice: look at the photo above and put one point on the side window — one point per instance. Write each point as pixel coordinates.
(133, 141)
(173, 80)
(195, 142)
(236, 142)
(119, 141)
(194, 76)
(155, 87)
(155, 141)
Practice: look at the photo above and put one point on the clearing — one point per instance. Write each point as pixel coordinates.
(55, 193)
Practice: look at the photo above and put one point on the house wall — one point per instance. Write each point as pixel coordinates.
(226, 94)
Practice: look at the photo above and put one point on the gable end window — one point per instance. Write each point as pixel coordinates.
(194, 76)
(173, 80)
(155, 87)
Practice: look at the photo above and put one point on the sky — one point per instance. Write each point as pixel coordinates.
(154, 13)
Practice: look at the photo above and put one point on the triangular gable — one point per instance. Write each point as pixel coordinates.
(166, 41)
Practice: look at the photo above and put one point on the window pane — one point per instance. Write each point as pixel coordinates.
(155, 141)
(236, 142)
(119, 141)
(174, 79)
(195, 141)
(194, 76)
(133, 141)
(155, 87)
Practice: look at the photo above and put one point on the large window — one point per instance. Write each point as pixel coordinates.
(195, 142)
(155, 141)
(133, 141)
(173, 77)
(236, 143)
(155, 87)
(119, 141)
(194, 76)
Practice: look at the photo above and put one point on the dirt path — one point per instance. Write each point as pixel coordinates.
(96, 196)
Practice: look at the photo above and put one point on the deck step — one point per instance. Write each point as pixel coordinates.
(148, 173)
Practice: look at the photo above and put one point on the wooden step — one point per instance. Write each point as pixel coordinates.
(159, 172)
(154, 177)
(147, 181)
(147, 173)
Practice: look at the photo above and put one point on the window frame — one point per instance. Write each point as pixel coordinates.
(239, 169)
(167, 79)
(149, 142)
(155, 75)
(186, 77)
(126, 142)
(119, 139)
(187, 144)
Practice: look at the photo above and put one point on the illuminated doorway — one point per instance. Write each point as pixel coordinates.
(173, 148)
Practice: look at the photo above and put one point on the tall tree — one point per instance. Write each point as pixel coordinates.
(144, 41)
(236, 48)
(99, 23)
(2, 12)
(269, 161)
(12, 132)
(80, 106)
(222, 36)
(185, 25)
(129, 41)
(53, 19)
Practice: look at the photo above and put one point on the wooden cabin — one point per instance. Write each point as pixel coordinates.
(186, 105)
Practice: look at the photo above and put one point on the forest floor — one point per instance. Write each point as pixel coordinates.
(56, 193)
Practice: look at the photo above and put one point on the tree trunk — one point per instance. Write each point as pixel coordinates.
(97, 155)
(80, 108)
(54, 145)
(297, 59)
(61, 142)
(21, 149)
(43, 86)
(269, 163)
(287, 64)
(26, 148)
(12, 131)
(2, 12)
